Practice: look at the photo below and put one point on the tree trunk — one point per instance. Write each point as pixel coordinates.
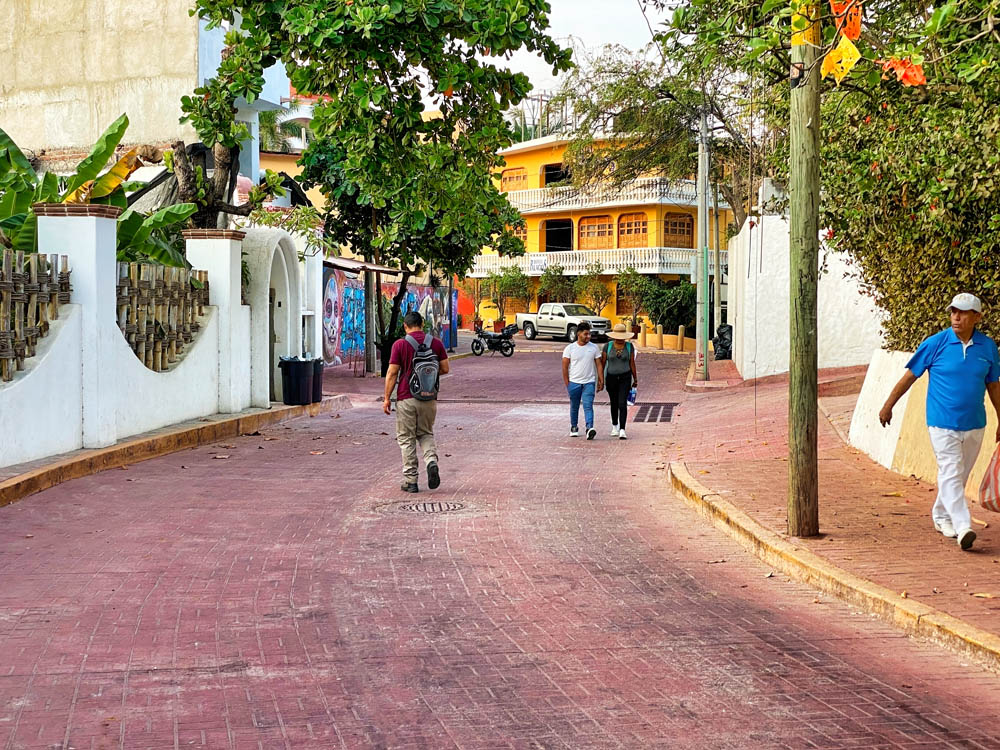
(385, 345)
(735, 204)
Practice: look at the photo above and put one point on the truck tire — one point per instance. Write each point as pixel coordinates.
(571, 333)
(529, 331)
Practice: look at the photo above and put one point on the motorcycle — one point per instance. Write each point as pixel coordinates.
(502, 342)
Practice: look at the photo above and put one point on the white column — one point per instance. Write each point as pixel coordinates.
(218, 252)
(87, 235)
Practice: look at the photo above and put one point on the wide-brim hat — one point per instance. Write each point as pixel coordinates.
(619, 332)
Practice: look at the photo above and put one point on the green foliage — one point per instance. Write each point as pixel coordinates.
(591, 289)
(671, 305)
(510, 283)
(139, 237)
(276, 135)
(635, 287)
(304, 221)
(555, 285)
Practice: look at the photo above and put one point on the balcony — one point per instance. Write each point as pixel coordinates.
(644, 191)
(648, 260)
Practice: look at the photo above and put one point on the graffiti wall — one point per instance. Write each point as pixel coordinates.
(432, 304)
(344, 313)
(343, 317)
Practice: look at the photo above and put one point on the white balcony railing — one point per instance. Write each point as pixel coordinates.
(649, 260)
(643, 191)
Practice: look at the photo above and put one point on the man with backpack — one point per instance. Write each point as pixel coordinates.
(416, 362)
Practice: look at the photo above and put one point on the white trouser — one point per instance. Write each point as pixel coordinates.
(956, 452)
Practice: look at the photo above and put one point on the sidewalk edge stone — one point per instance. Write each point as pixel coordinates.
(912, 616)
(151, 446)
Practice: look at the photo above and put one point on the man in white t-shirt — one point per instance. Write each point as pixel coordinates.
(583, 379)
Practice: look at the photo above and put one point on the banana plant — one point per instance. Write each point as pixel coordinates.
(140, 237)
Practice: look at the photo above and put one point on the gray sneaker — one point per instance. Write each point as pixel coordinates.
(946, 529)
(965, 538)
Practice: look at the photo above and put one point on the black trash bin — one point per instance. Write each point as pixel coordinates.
(296, 381)
(317, 392)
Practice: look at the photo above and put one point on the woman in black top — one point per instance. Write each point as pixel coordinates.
(618, 361)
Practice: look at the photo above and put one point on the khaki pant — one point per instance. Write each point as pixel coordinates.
(415, 424)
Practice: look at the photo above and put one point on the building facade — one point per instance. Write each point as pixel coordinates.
(649, 224)
(73, 67)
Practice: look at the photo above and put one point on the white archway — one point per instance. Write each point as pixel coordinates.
(273, 264)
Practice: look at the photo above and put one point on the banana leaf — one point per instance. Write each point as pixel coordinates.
(13, 222)
(156, 250)
(111, 180)
(26, 239)
(103, 150)
(16, 156)
(163, 218)
(81, 194)
(128, 224)
(48, 189)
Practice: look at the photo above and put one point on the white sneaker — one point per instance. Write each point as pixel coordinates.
(622, 435)
(965, 538)
(946, 529)
(614, 430)
(574, 432)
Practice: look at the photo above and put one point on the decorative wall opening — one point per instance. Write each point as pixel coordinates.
(158, 310)
(558, 235)
(32, 287)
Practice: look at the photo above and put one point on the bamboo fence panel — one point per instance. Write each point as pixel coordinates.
(32, 287)
(158, 310)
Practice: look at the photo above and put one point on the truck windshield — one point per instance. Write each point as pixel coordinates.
(577, 310)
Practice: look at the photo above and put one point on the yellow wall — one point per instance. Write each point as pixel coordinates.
(286, 163)
(534, 160)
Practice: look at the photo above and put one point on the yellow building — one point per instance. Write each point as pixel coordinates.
(649, 223)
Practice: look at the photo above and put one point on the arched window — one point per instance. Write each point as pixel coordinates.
(633, 230)
(513, 179)
(678, 230)
(596, 233)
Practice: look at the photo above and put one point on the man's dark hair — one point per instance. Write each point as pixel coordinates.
(413, 320)
(583, 326)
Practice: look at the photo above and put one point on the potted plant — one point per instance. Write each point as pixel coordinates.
(634, 288)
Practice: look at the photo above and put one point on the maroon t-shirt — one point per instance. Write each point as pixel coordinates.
(402, 355)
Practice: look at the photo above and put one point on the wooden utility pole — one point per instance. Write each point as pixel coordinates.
(803, 484)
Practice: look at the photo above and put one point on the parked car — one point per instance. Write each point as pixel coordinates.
(560, 320)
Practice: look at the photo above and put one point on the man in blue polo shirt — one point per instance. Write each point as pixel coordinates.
(962, 364)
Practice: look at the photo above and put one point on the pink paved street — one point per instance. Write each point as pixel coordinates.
(273, 592)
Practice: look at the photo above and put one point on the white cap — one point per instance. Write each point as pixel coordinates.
(966, 301)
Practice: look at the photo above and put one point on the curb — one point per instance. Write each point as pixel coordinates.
(706, 386)
(912, 616)
(139, 449)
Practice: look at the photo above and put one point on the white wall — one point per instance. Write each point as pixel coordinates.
(149, 400)
(848, 322)
(41, 410)
(867, 433)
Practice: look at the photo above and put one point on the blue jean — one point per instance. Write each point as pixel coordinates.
(584, 391)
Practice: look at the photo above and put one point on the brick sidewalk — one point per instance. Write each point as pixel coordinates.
(875, 523)
(271, 591)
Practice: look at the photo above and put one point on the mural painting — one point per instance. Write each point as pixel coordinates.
(344, 313)
(343, 317)
(432, 304)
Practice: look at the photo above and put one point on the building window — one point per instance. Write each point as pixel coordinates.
(596, 233)
(520, 232)
(633, 230)
(622, 305)
(678, 230)
(513, 179)
(554, 174)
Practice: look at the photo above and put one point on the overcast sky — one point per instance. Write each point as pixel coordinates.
(594, 23)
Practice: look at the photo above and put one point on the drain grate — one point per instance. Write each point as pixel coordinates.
(654, 412)
(432, 507)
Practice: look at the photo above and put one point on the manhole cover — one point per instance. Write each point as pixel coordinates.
(654, 412)
(432, 507)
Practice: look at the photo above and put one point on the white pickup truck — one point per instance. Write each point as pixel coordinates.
(561, 320)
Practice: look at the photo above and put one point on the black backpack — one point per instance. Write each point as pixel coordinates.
(424, 380)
